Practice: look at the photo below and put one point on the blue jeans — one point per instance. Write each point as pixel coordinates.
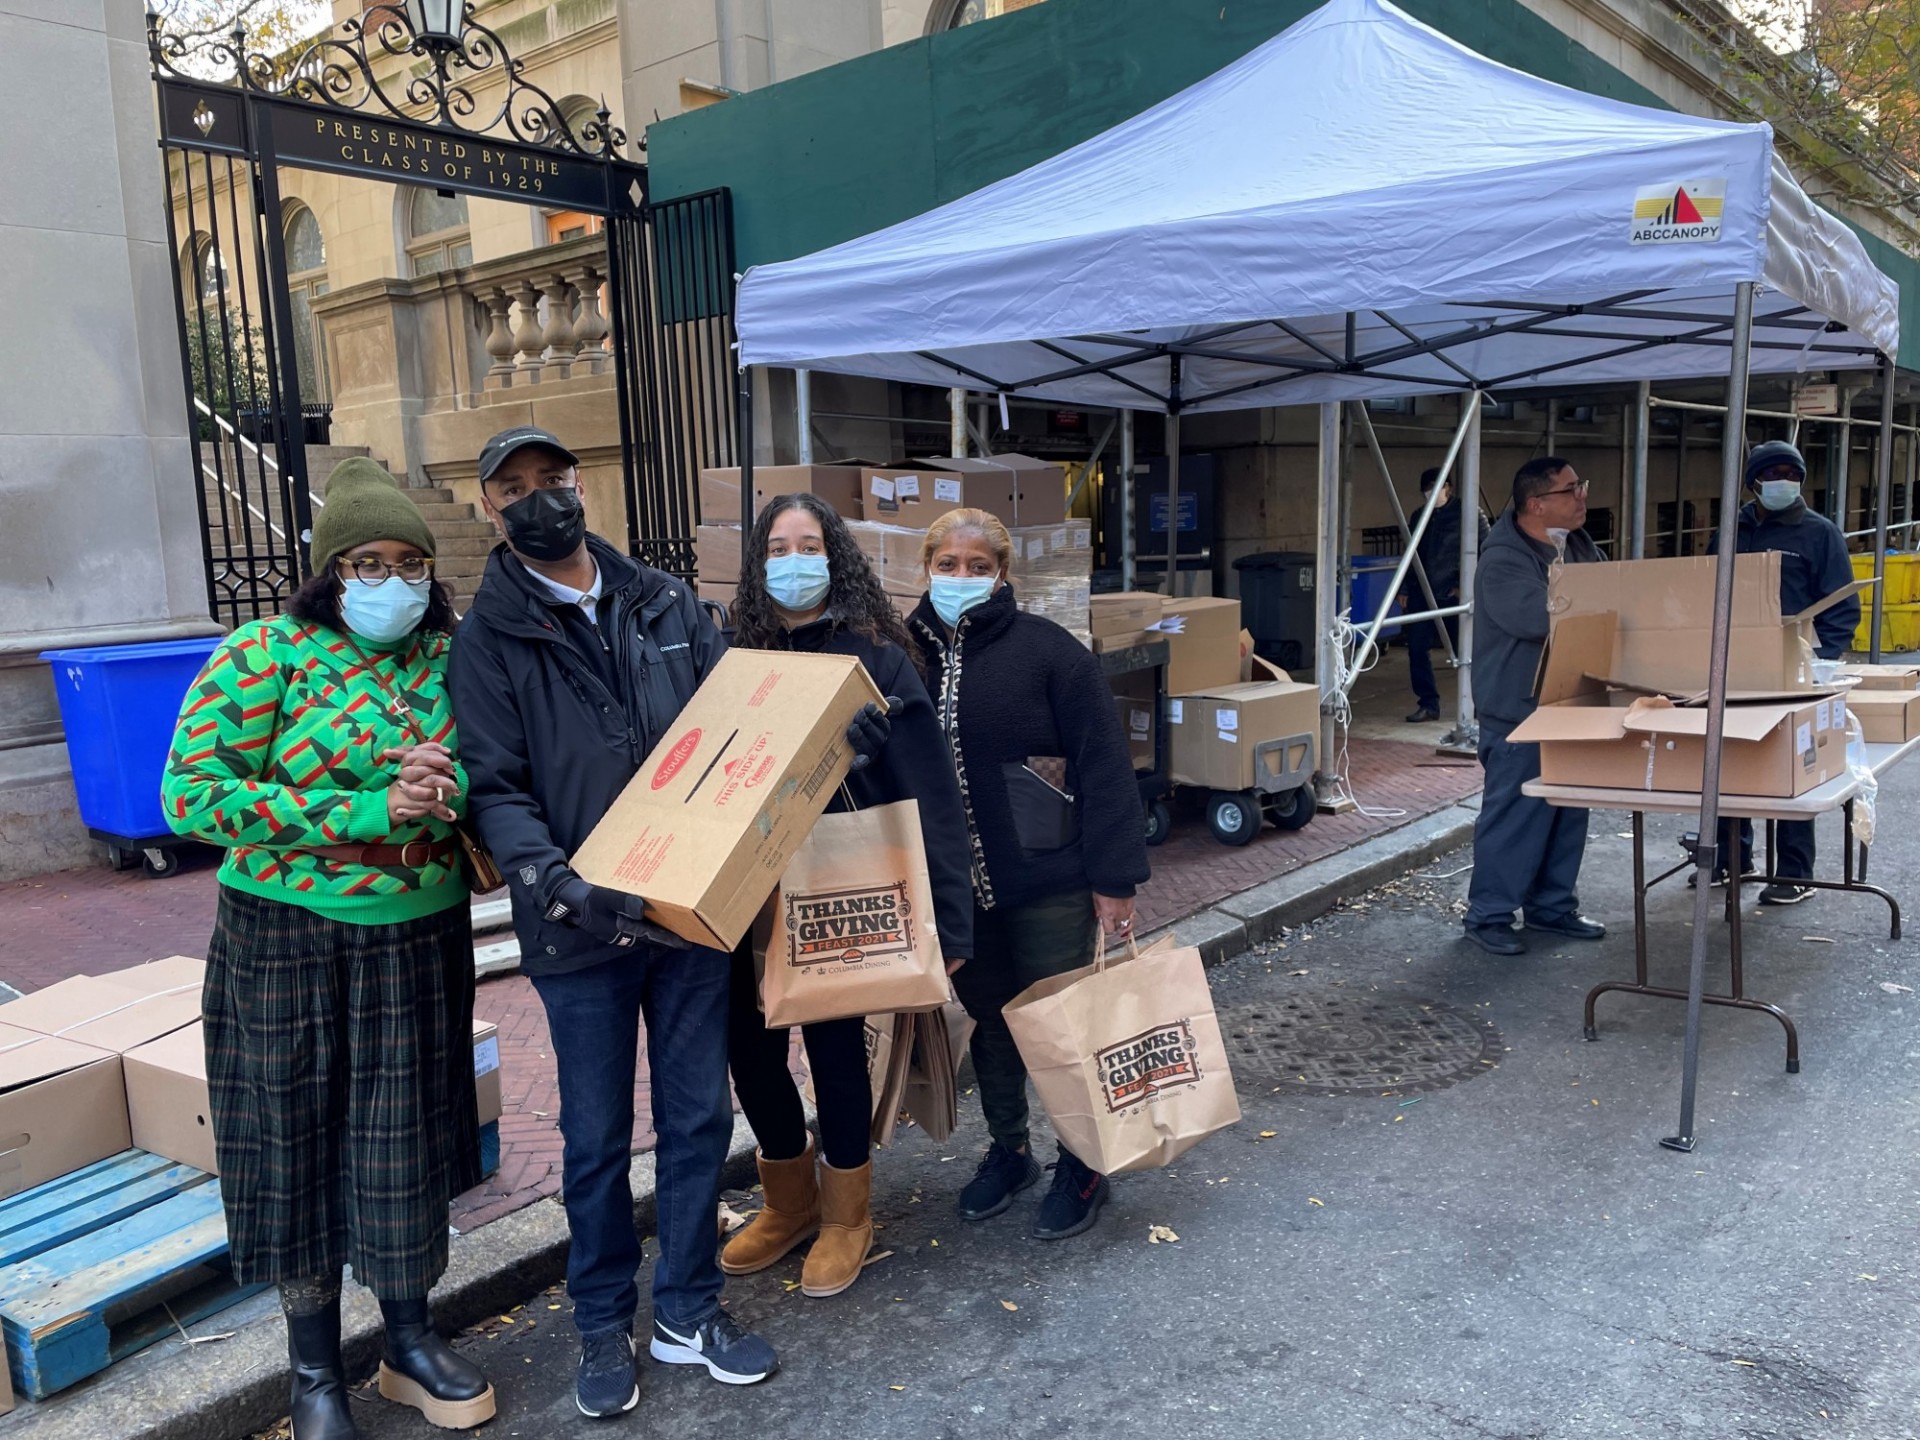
(593, 1017)
(1526, 853)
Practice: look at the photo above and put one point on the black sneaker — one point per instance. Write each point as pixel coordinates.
(1074, 1202)
(1001, 1176)
(1785, 893)
(1422, 715)
(607, 1383)
(731, 1355)
(1752, 872)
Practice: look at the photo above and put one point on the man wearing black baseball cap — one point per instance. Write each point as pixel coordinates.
(571, 662)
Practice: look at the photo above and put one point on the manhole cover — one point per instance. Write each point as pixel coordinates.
(1335, 1044)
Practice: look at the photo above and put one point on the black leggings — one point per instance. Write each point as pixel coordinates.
(837, 1056)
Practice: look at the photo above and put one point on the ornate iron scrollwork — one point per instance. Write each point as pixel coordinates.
(342, 71)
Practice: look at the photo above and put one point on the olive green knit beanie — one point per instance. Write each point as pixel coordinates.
(364, 502)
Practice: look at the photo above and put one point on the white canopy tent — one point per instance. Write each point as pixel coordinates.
(1360, 207)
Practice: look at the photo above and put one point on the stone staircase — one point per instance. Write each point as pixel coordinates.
(461, 537)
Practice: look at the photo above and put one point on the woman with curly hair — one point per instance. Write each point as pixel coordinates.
(806, 586)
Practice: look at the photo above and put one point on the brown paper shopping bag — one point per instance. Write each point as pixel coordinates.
(932, 1096)
(850, 929)
(1127, 1057)
(889, 1051)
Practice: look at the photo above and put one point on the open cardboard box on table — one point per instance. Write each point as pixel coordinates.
(1623, 681)
(706, 827)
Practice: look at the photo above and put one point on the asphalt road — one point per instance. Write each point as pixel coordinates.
(1508, 1254)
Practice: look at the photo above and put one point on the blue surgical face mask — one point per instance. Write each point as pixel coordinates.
(384, 611)
(797, 582)
(954, 595)
(1778, 494)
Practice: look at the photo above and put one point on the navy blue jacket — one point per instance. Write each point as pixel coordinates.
(914, 764)
(1008, 688)
(1815, 564)
(1510, 616)
(547, 743)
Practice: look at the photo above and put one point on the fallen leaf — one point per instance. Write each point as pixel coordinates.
(730, 1219)
(1398, 1118)
(1008, 1305)
(790, 1285)
(1296, 972)
(934, 1243)
(896, 1387)
(1161, 1232)
(1311, 1200)
(1869, 1277)
(1268, 1134)
(1748, 1363)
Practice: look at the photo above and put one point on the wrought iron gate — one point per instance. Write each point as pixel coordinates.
(383, 102)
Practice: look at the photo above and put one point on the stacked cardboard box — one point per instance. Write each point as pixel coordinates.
(1623, 682)
(1020, 489)
(838, 485)
(1886, 699)
(1053, 572)
(894, 553)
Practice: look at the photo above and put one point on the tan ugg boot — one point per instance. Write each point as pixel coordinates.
(846, 1231)
(789, 1215)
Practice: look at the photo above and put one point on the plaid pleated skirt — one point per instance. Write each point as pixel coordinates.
(340, 1070)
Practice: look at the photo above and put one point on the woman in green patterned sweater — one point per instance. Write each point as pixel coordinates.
(318, 747)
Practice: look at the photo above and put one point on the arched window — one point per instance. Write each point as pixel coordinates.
(206, 273)
(306, 283)
(437, 235)
(952, 14)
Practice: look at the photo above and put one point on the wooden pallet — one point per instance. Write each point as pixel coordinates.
(92, 1263)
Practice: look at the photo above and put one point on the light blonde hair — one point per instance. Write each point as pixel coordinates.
(983, 523)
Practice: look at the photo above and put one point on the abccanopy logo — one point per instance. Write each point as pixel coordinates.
(1678, 213)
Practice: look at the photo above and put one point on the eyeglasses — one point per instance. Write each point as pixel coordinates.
(1578, 488)
(373, 570)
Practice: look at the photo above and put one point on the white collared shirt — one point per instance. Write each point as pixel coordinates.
(588, 599)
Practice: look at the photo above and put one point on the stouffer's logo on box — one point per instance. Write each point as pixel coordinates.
(849, 926)
(1139, 1069)
(676, 758)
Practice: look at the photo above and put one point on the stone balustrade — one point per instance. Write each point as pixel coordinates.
(544, 312)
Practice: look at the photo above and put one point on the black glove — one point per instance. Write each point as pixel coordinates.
(870, 730)
(610, 916)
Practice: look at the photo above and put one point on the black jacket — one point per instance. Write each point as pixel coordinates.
(914, 764)
(1010, 687)
(547, 745)
(1510, 616)
(1814, 564)
(1440, 558)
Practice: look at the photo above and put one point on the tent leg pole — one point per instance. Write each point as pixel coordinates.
(1913, 454)
(1882, 503)
(1126, 499)
(1464, 738)
(957, 423)
(1173, 503)
(746, 461)
(803, 415)
(1637, 474)
(1732, 455)
(1326, 594)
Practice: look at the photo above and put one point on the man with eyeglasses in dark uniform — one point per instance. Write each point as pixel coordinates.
(1526, 853)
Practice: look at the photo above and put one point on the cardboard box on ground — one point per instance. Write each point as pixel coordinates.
(708, 824)
(1623, 681)
(171, 1112)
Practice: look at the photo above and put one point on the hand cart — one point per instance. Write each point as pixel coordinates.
(1156, 789)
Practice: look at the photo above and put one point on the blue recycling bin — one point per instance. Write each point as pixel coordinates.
(1371, 576)
(119, 704)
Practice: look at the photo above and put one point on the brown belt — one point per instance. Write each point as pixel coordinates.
(414, 855)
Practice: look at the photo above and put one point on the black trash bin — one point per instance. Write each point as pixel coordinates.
(1276, 606)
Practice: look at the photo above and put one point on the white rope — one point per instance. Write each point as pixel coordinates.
(1346, 641)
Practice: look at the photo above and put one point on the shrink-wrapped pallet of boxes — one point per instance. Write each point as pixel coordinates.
(1053, 572)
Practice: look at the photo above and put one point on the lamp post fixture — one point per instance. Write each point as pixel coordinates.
(436, 23)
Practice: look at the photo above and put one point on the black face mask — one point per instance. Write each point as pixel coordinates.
(548, 525)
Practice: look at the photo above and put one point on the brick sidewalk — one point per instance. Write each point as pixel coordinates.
(81, 922)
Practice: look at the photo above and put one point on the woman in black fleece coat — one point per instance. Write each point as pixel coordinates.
(1056, 831)
(806, 586)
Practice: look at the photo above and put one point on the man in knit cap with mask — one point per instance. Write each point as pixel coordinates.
(1813, 564)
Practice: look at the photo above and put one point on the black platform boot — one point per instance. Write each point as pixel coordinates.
(422, 1370)
(319, 1404)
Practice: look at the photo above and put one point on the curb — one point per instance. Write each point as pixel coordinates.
(1243, 920)
(238, 1386)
